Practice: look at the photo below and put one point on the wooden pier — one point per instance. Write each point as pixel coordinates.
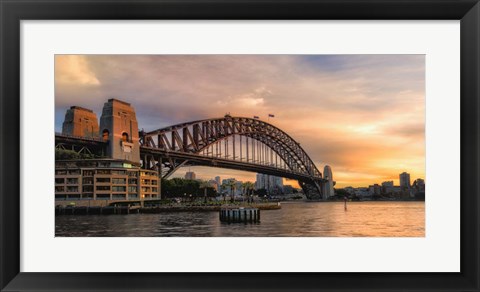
(241, 215)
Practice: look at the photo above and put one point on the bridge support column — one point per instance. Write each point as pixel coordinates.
(118, 126)
(314, 190)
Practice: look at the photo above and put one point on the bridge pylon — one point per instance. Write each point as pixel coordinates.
(314, 189)
(118, 126)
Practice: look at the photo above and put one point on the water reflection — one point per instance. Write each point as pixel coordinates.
(365, 219)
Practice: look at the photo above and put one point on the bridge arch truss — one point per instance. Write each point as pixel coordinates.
(232, 142)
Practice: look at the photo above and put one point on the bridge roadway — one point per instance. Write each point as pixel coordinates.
(192, 158)
(203, 160)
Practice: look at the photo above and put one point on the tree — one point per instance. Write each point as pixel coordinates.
(248, 189)
(204, 185)
(261, 192)
(233, 185)
(64, 154)
(177, 187)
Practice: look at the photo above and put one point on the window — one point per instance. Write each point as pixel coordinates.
(72, 181)
(60, 197)
(74, 172)
(132, 196)
(59, 189)
(133, 174)
(119, 181)
(88, 173)
(132, 189)
(87, 196)
(105, 135)
(59, 180)
(87, 189)
(72, 189)
(87, 181)
(119, 189)
(61, 172)
(125, 137)
(103, 179)
(118, 172)
(103, 171)
(103, 196)
(132, 181)
(103, 188)
(118, 197)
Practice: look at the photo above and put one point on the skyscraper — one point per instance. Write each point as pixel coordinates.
(404, 180)
(272, 184)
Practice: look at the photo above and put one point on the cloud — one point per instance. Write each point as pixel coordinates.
(357, 113)
(74, 70)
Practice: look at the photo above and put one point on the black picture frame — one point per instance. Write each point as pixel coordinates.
(13, 11)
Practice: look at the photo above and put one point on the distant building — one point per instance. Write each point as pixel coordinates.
(213, 183)
(349, 190)
(404, 180)
(273, 184)
(190, 175)
(387, 187)
(375, 189)
(362, 192)
(260, 182)
(387, 183)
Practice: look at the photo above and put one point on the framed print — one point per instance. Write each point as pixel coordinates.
(239, 146)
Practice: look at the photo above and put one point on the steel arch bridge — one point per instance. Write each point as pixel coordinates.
(231, 142)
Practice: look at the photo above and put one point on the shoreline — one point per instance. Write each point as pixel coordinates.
(125, 210)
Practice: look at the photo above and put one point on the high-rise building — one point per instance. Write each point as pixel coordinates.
(272, 184)
(190, 175)
(260, 182)
(404, 180)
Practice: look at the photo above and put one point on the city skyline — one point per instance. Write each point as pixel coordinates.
(383, 183)
(362, 115)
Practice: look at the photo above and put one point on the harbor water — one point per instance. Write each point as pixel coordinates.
(322, 219)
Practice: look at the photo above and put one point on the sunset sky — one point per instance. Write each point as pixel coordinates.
(364, 115)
